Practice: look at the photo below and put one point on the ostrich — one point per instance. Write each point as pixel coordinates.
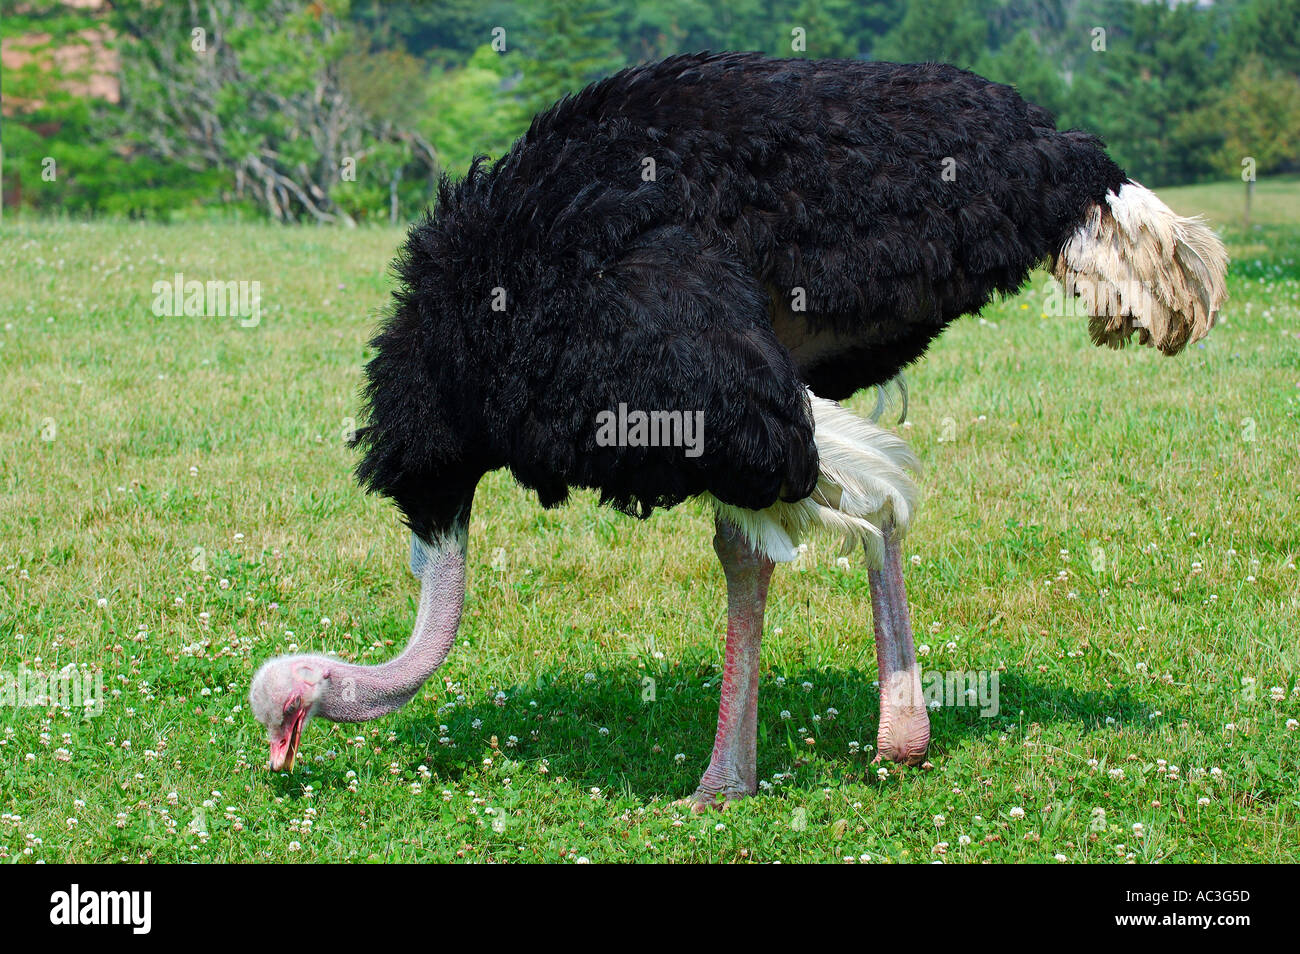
(749, 241)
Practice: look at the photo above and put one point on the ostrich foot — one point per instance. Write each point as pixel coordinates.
(720, 786)
(904, 735)
(702, 801)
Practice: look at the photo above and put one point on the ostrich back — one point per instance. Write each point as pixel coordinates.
(708, 234)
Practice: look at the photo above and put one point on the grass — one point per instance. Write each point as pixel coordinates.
(1114, 534)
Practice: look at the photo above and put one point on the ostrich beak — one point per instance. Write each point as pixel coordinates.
(285, 748)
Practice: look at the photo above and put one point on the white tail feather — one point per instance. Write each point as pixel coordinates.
(1138, 266)
(865, 478)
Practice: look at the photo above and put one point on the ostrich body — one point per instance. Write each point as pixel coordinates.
(749, 240)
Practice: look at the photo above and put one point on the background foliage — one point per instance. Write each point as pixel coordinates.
(263, 121)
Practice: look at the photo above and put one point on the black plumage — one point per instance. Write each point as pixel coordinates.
(886, 199)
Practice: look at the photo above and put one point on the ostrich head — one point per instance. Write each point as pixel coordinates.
(290, 690)
(286, 693)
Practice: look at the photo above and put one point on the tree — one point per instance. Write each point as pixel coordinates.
(1021, 64)
(51, 159)
(948, 31)
(470, 112)
(265, 91)
(822, 22)
(1159, 65)
(442, 32)
(1268, 31)
(565, 45)
(1259, 116)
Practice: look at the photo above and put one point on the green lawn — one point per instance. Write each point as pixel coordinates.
(1114, 533)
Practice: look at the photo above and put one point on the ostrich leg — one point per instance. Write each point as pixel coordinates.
(733, 771)
(904, 723)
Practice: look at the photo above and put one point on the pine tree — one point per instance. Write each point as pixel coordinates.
(566, 45)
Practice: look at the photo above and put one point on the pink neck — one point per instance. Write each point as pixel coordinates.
(361, 693)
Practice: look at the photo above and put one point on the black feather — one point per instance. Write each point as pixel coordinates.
(770, 176)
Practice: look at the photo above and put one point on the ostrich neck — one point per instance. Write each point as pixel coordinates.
(361, 693)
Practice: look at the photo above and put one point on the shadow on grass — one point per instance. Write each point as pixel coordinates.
(613, 730)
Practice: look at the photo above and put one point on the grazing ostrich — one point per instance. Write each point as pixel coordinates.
(745, 240)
